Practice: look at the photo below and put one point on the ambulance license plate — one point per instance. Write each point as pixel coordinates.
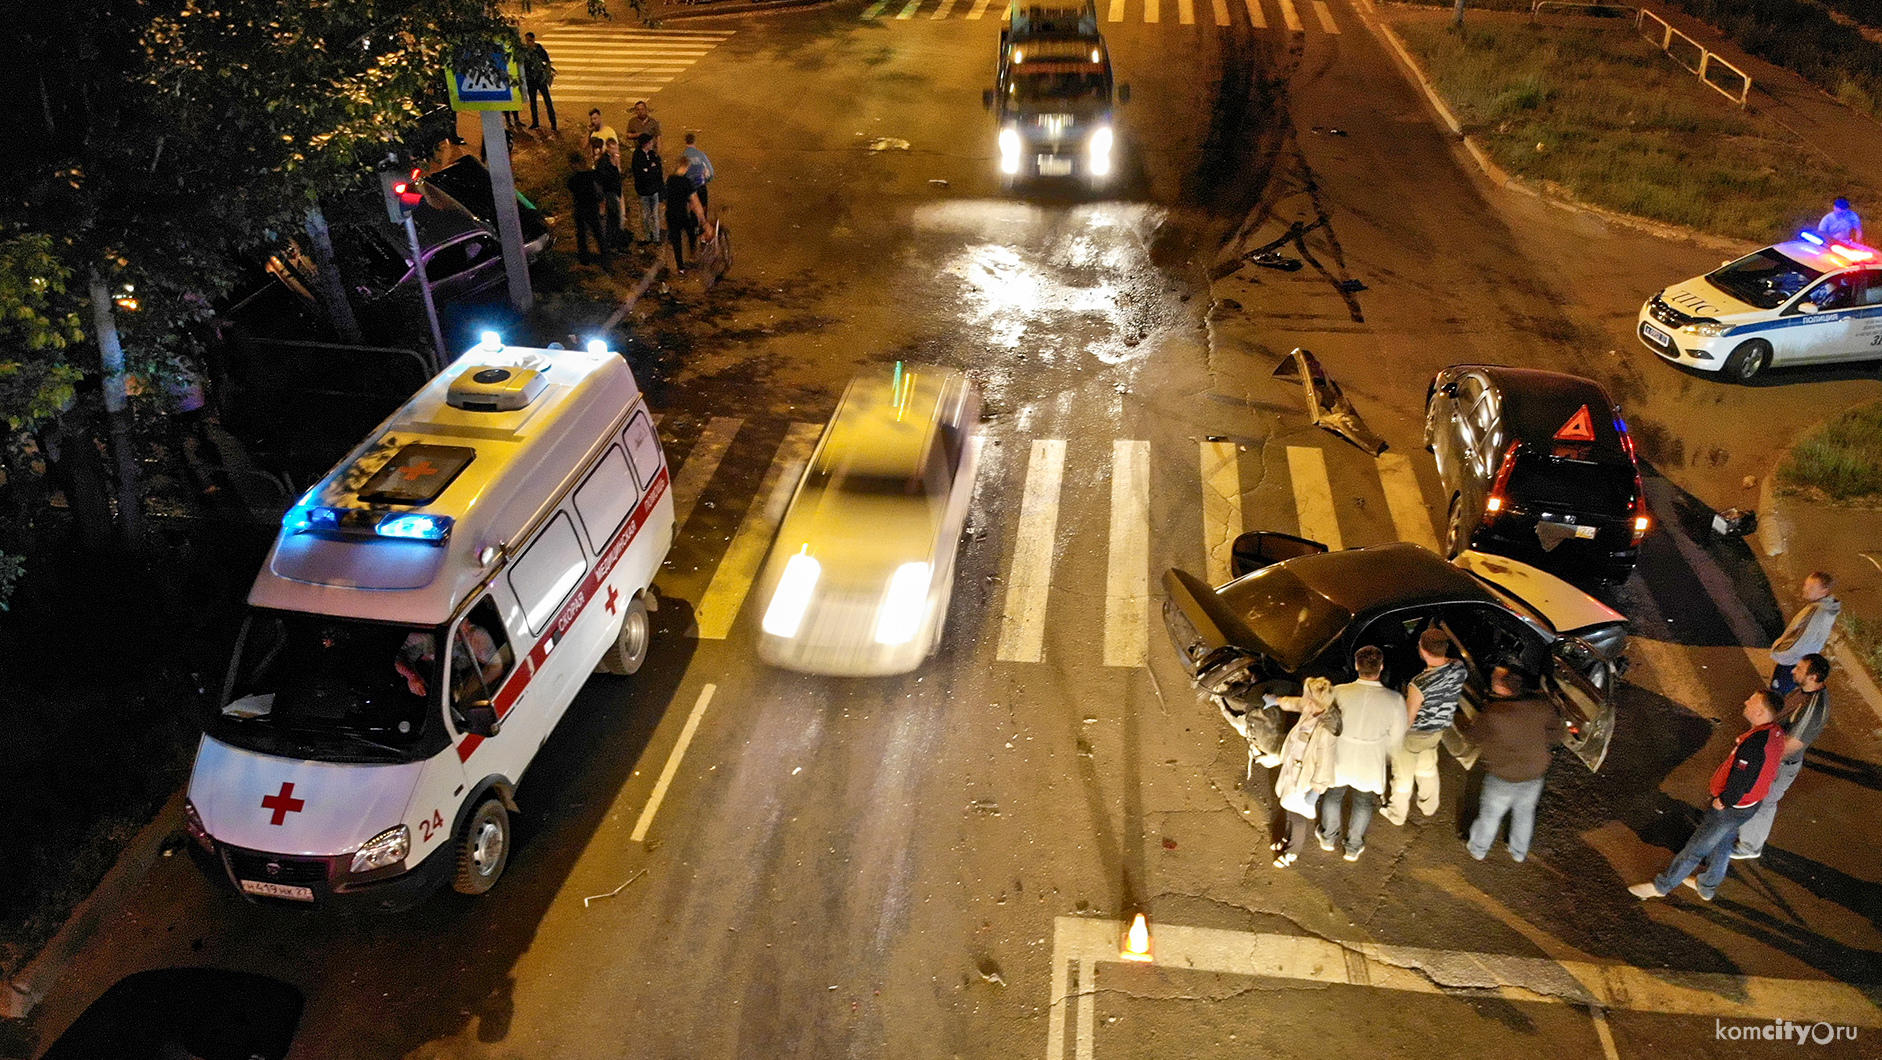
(1054, 166)
(1655, 335)
(278, 890)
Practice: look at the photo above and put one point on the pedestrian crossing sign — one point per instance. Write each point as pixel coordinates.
(1579, 428)
(498, 86)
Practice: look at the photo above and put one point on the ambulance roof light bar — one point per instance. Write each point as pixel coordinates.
(406, 526)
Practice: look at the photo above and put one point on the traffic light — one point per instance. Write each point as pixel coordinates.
(403, 193)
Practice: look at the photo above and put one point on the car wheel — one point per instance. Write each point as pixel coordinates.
(1457, 531)
(1748, 361)
(1431, 414)
(629, 649)
(483, 849)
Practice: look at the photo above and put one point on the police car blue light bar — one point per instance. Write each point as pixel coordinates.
(1810, 237)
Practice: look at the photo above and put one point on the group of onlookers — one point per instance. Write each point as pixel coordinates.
(1360, 742)
(598, 182)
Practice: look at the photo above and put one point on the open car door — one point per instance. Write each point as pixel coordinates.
(1581, 682)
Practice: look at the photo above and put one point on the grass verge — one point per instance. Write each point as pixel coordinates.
(1842, 459)
(1602, 115)
(1865, 639)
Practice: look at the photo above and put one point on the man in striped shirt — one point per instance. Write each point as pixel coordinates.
(1741, 782)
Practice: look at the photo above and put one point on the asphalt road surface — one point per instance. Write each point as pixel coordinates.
(937, 865)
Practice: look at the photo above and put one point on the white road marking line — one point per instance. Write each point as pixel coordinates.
(1221, 11)
(942, 11)
(719, 606)
(1221, 506)
(1602, 1032)
(1151, 11)
(602, 32)
(1291, 16)
(1029, 580)
(1256, 16)
(1325, 15)
(1410, 518)
(1087, 1007)
(1055, 1016)
(1127, 581)
(908, 9)
(673, 764)
(876, 9)
(1313, 495)
(1083, 942)
(1186, 12)
(1117, 11)
(701, 464)
(980, 8)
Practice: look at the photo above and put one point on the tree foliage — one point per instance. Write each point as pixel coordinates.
(40, 327)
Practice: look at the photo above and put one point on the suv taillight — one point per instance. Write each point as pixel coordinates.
(1640, 521)
(1495, 502)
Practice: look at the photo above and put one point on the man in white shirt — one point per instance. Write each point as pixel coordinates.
(1372, 726)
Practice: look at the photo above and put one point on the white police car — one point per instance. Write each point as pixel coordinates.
(1811, 300)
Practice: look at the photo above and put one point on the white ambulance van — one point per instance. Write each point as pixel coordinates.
(425, 616)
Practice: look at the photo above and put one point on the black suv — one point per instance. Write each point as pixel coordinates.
(1536, 465)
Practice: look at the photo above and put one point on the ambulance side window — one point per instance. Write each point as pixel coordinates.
(544, 575)
(481, 656)
(643, 447)
(605, 498)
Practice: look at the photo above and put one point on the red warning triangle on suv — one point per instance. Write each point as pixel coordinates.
(1579, 428)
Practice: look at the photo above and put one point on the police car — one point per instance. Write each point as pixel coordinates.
(1812, 300)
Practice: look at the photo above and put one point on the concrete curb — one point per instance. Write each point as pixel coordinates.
(1503, 179)
(22, 993)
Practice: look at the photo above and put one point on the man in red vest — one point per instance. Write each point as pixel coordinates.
(1738, 786)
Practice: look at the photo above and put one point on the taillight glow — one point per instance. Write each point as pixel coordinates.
(1495, 503)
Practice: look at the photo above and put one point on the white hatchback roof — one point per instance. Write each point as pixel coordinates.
(518, 463)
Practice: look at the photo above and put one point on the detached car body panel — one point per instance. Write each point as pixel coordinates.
(1305, 616)
(1809, 300)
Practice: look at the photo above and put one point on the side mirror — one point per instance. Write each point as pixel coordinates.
(1806, 307)
(1124, 93)
(480, 719)
(1448, 390)
(986, 99)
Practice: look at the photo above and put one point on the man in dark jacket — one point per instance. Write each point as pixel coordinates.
(1514, 733)
(649, 180)
(585, 193)
(1740, 784)
(608, 176)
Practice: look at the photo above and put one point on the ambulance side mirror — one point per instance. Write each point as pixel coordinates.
(480, 719)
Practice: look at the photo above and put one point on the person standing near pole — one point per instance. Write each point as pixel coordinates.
(539, 72)
(585, 192)
(1806, 712)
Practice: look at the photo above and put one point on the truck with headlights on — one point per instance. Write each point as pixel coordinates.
(1055, 97)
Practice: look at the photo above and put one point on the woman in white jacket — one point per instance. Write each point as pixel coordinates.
(1306, 766)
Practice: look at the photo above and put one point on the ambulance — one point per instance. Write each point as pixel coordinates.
(424, 618)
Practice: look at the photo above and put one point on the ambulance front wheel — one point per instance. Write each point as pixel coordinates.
(483, 849)
(629, 649)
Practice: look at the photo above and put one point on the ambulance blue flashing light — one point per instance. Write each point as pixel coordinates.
(406, 526)
(415, 527)
(597, 346)
(492, 342)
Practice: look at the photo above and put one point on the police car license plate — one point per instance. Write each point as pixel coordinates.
(1655, 335)
(1054, 166)
(278, 890)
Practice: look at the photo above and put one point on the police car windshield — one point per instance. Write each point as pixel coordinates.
(1766, 279)
(330, 689)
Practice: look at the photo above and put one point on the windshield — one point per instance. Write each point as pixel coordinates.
(1034, 89)
(1765, 279)
(333, 690)
(1543, 480)
(1291, 620)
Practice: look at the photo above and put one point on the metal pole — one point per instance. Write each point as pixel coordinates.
(509, 224)
(438, 356)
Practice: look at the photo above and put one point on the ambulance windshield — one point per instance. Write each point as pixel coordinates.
(329, 689)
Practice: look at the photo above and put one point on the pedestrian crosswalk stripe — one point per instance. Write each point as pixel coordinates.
(1221, 11)
(874, 9)
(1186, 12)
(908, 9)
(1117, 11)
(1410, 519)
(725, 595)
(1325, 15)
(1151, 11)
(1221, 506)
(1127, 581)
(980, 8)
(596, 65)
(1257, 17)
(1029, 580)
(1313, 495)
(942, 11)
(701, 464)
(1291, 17)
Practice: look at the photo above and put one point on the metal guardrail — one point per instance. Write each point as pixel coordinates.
(1694, 56)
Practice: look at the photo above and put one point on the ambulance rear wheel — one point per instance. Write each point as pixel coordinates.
(483, 849)
(629, 650)
(1747, 361)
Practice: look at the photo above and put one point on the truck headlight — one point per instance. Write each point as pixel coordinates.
(792, 598)
(903, 607)
(1708, 328)
(387, 848)
(1101, 150)
(1009, 150)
